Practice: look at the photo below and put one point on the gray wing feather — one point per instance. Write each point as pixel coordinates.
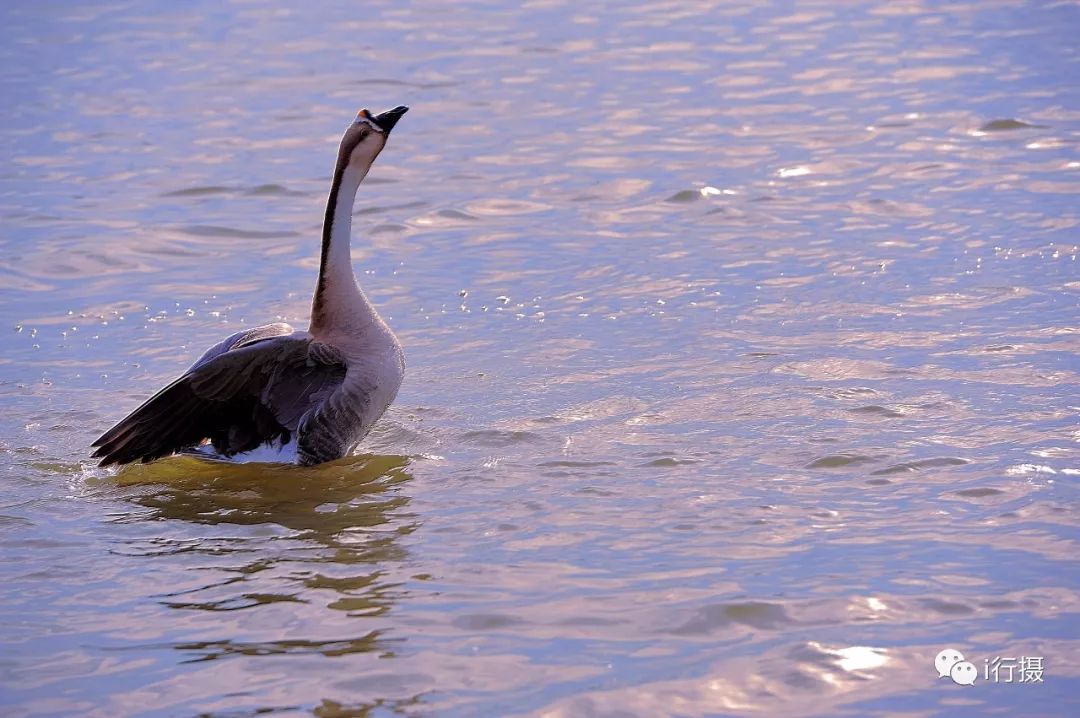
(332, 428)
(254, 387)
(247, 336)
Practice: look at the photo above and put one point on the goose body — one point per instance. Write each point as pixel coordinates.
(274, 393)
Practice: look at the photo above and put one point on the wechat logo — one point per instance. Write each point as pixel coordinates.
(950, 663)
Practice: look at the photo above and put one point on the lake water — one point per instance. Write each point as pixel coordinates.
(741, 347)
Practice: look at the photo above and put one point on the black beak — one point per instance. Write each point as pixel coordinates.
(388, 119)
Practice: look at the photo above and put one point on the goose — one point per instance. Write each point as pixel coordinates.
(273, 393)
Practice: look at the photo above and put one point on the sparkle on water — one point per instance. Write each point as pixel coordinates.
(741, 343)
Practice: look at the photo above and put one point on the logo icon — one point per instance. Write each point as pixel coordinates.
(964, 673)
(945, 660)
(950, 663)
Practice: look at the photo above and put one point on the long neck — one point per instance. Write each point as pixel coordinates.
(339, 303)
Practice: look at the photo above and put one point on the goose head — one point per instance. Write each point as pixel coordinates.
(366, 137)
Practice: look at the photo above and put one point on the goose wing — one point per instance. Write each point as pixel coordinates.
(331, 429)
(252, 388)
(243, 338)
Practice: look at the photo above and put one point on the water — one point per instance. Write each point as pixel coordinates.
(741, 344)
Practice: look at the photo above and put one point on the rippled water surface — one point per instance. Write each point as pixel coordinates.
(741, 340)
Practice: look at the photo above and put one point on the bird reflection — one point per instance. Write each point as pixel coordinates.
(323, 501)
(322, 537)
